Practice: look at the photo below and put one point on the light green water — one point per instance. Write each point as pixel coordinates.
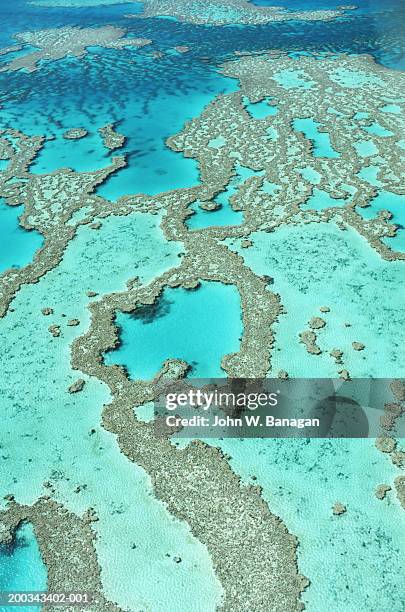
(378, 130)
(369, 174)
(17, 245)
(365, 148)
(395, 203)
(301, 481)
(355, 78)
(313, 266)
(225, 215)
(391, 108)
(311, 175)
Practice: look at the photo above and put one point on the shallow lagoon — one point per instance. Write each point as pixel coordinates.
(225, 214)
(321, 140)
(301, 481)
(21, 565)
(59, 436)
(319, 200)
(17, 245)
(282, 468)
(319, 265)
(262, 109)
(396, 205)
(198, 326)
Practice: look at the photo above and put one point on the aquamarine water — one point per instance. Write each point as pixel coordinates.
(354, 561)
(321, 140)
(395, 203)
(378, 130)
(302, 480)
(198, 326)
(369, 174)
(150, 100)
(310, 175)
(82, 155)
(292, 79)
(225, 214)
(339, 270)
(262, 109)
(319, 200)
(398, 242)
(270, 188)
(21, 565)
(366, 148)
(17, 245)
(392, 108)
(71, 448)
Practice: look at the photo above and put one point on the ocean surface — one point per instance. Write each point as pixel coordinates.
(21, 565)
(149, 100)
(152, 334)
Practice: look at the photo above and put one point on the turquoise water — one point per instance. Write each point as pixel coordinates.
(292, 79)
(225, 215)
(366, 148)
(357, 553)
(82, 155)
(310, 175)
(155, 167)
(199, 326)
(353, 79)
(319, 200)
(396, 205)
(71, 448)
(389, 201)
(354, 561)
(392, 108)
(360, 115)
(378, 130)
(21, 565)
(369, 174)
(398, 242)
(315, 266)
(270, 188)
(221, 217)
(262, 109)
(217, 143)
(155, 100)
(321, 140)
(319, 265)
(17, 245)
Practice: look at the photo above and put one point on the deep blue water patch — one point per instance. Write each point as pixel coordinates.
(376, 28)
(152, 98)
